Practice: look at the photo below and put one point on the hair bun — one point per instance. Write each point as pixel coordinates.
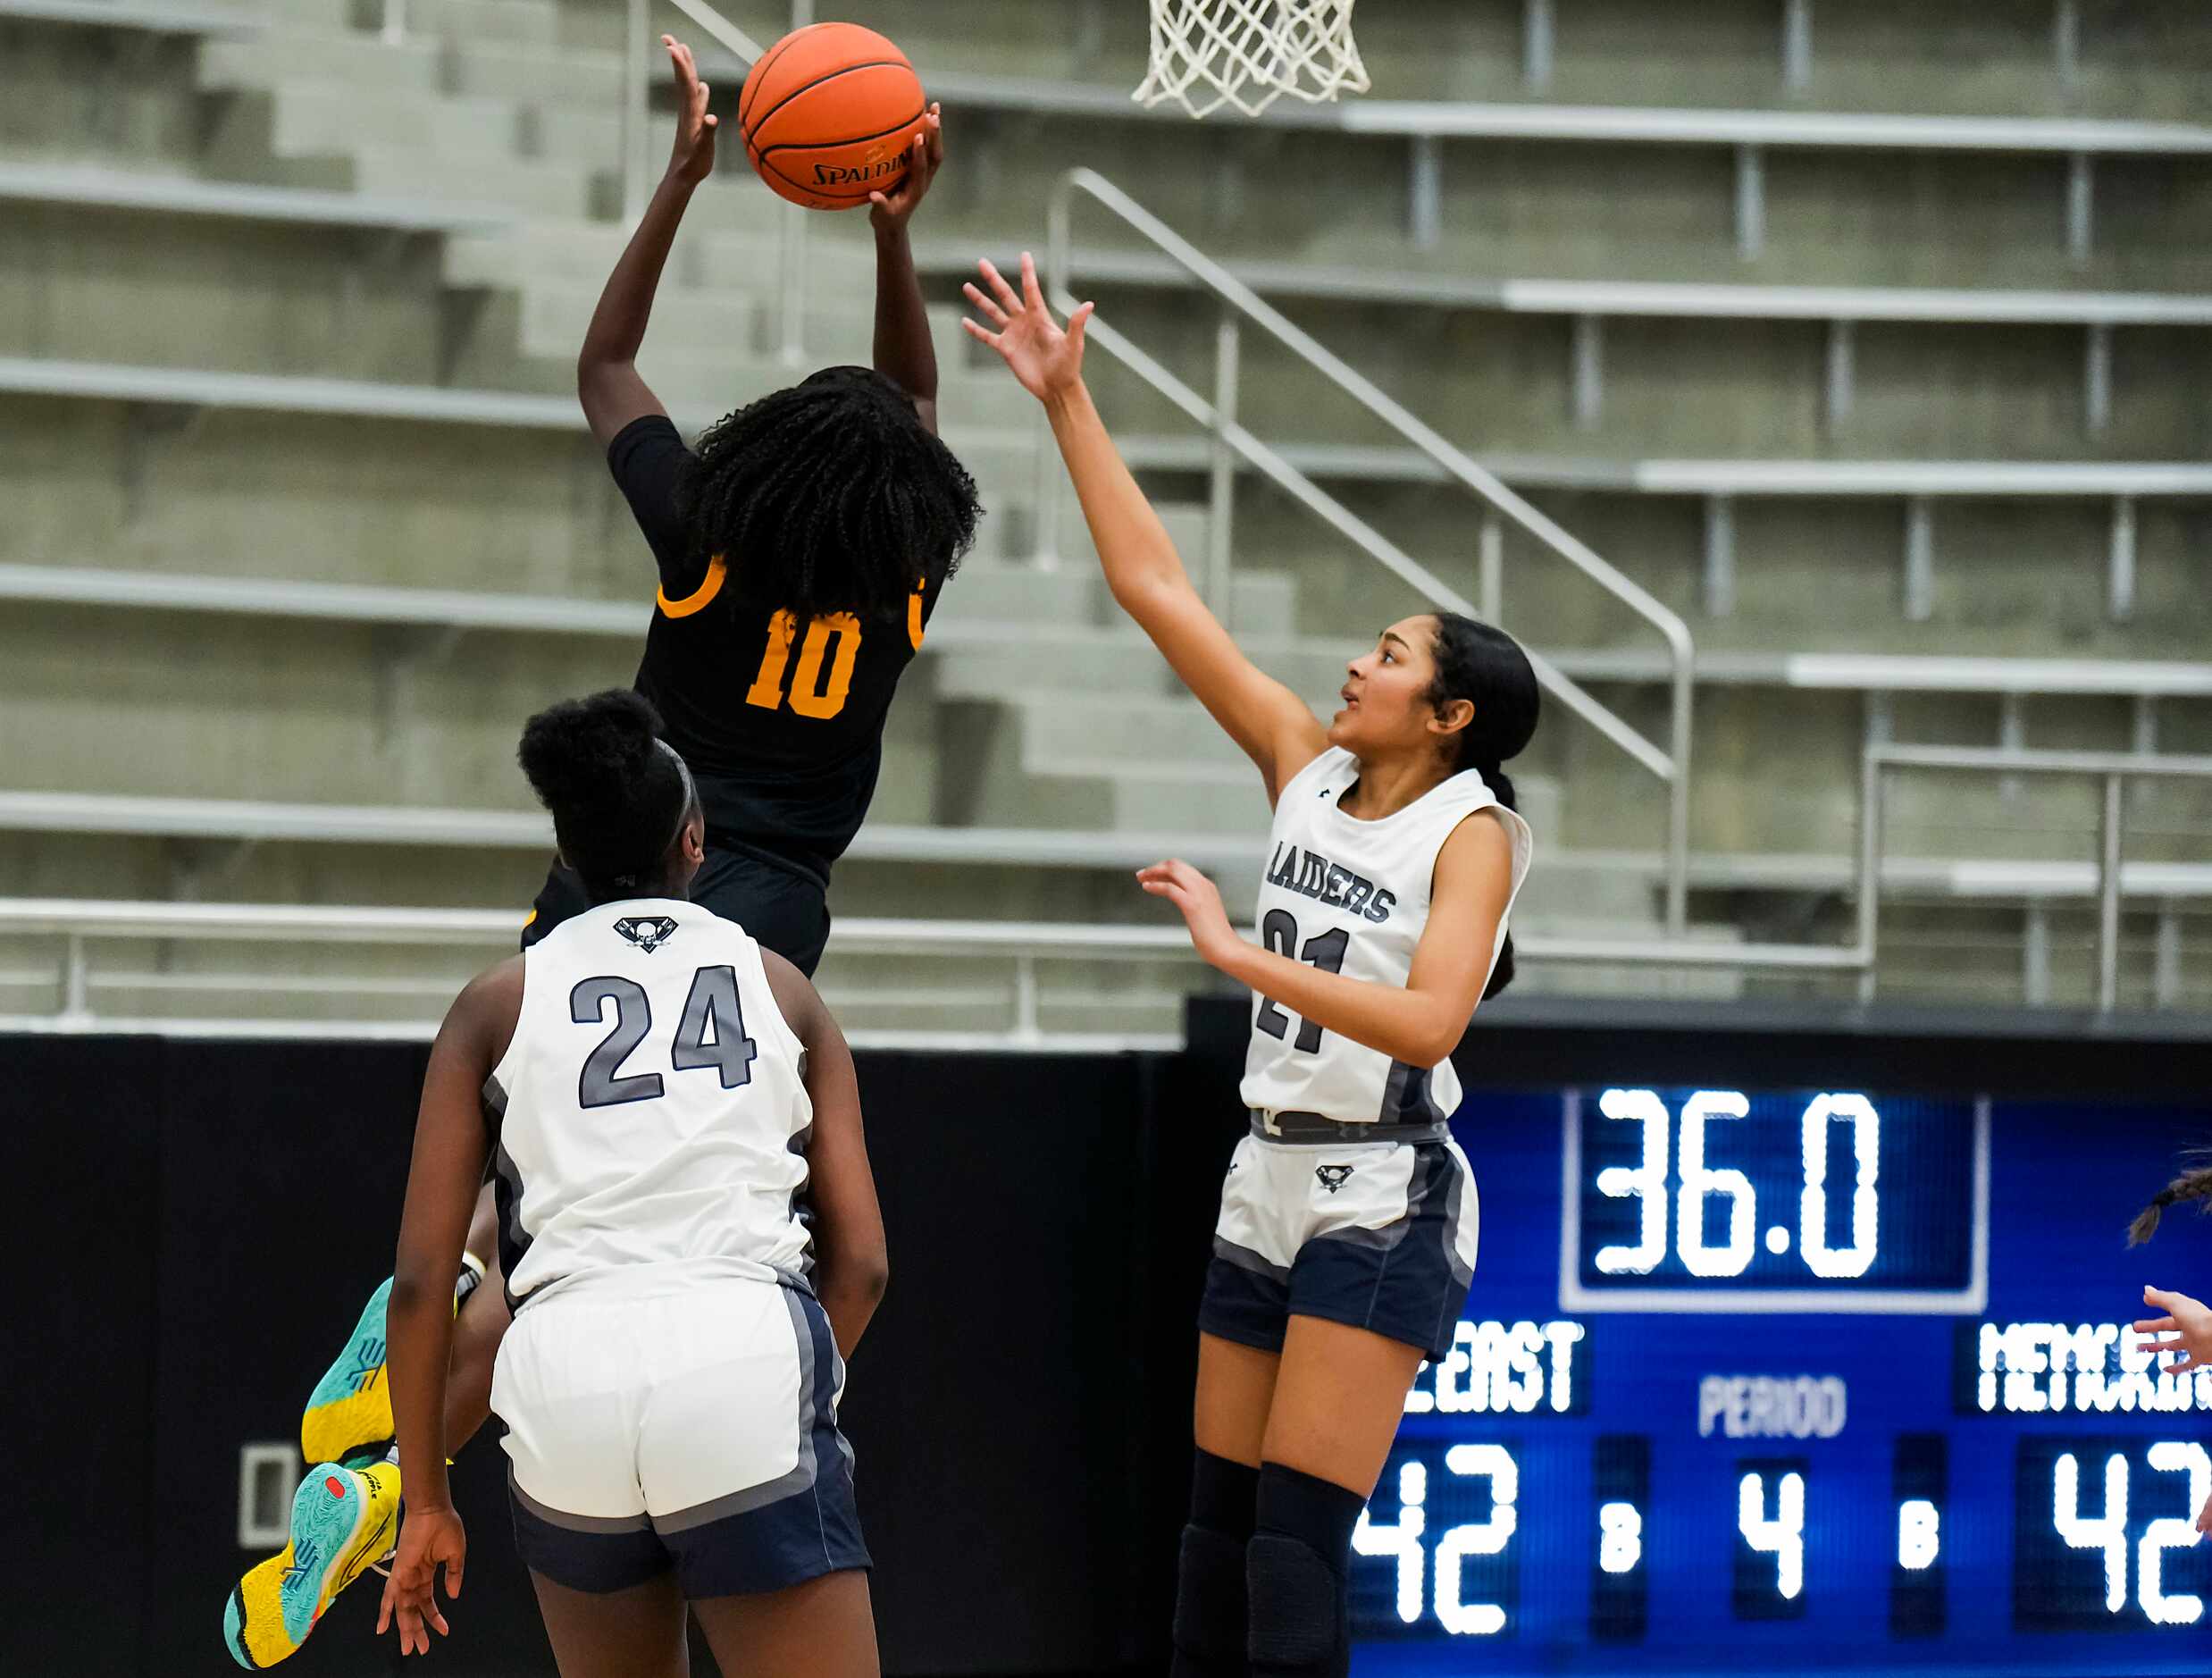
(587, 752)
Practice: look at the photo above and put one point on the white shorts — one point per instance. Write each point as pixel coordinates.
(694, 1430)
(1378, 1235)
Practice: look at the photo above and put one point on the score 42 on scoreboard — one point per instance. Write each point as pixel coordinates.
(1754, 1373)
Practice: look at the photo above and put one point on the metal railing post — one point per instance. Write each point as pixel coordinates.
(76, 986)
(793, 259)
(636, 61)
(2108, 897)
(1025, 1027)
(1870, 868)
(1491, 567)
(1221, 497)
(1678, 803)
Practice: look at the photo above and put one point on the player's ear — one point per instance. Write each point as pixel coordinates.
(694, 842)
(1452, 716)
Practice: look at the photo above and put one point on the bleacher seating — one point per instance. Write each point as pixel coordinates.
(1899, 410)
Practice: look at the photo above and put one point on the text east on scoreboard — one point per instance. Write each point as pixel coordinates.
(1813, 1379)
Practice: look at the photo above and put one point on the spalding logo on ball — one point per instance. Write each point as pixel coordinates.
(829, 116)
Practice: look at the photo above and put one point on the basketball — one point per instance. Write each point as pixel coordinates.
(829, 116)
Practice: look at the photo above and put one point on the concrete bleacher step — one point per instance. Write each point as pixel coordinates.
(280, 54)
(321, 118)
(518, 22)
(544, 74)
(1117, 661)
(536, 186)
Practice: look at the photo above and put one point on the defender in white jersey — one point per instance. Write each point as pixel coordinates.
(1346, 1239)
(690, 1244)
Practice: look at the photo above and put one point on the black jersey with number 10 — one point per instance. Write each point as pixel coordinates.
(782, 722)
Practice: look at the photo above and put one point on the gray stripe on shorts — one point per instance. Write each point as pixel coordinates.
(1246, 1259)
(637, 1523)
(1460, 1273)
(800, 1479)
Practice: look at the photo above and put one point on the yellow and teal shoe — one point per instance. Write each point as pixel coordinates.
(343, 1520)
(351, 1406)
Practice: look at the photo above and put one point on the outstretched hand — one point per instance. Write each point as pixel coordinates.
(895, 209)
(1199, 900)
(428, 1539)
(2185, 1330)
(694, 157)
(1045, 359)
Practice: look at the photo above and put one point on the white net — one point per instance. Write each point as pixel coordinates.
(1248, 53)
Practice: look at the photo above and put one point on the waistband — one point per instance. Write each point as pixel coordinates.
(1313, 1126)
(812, 872)
(659, 1279)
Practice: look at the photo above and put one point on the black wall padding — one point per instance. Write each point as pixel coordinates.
(197, 1225)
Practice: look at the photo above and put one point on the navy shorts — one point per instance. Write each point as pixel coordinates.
(693, 1432)
(1377, 1235)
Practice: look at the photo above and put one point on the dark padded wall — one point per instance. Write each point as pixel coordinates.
(199, 1224)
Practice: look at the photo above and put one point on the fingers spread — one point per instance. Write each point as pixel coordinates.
(998, 284)
(978, 333)
(1032, 292)
(992, 311)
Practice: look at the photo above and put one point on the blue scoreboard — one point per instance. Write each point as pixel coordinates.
(1808, 1380)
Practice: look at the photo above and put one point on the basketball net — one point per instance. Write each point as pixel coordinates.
(1207, 54)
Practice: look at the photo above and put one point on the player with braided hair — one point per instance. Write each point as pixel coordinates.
(802, 548)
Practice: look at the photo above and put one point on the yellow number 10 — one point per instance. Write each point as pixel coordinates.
(808, 696)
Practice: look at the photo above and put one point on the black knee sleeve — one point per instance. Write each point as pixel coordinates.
(1210, 1603)
(1210, 1612)
(1300, 1624)
(1297, 1610)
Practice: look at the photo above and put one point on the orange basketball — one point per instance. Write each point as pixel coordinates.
(829, 116)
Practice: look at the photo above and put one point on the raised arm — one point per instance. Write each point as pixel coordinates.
(452, 1139)
(1271, 725)
(1419, 1022)
(903, 348)
(850, 1267)
(606, 367)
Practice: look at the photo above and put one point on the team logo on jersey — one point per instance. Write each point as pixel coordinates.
(647, 932)
(1333, 1176)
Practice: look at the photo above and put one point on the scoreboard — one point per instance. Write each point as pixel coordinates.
(1802, 1380)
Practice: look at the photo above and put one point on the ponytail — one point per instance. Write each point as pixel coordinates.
(2191, 1185)
(1485, 666)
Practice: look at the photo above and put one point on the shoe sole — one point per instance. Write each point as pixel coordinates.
(336, 1534)
(350, 1408)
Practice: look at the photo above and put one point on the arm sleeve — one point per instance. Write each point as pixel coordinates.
(647, 457)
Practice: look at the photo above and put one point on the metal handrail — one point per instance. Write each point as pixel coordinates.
(2114, 769)
(1239, 300)
(82, 921)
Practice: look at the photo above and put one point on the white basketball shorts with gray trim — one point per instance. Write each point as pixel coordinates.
(694, 1430)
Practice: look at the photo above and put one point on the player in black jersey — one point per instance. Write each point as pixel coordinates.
(802, 547)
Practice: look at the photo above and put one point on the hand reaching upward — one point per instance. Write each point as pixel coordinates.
(1045, 359)
(893, 210)
(694, 157)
